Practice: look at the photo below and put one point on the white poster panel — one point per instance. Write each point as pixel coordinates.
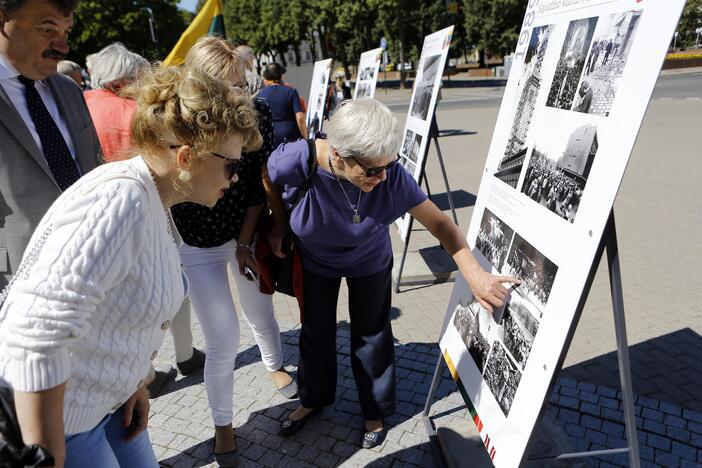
(318, 96)
(430, 68)
(367, 77)
(577, 92)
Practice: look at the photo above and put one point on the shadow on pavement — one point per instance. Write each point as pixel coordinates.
(666, 368)
(449, 132)
(334, 435)
(461, 199)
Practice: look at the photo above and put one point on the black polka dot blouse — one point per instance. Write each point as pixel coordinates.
(205, 227)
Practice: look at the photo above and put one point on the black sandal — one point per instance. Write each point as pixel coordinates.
(226, 459)
(289, 427)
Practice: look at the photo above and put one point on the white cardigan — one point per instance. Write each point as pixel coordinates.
(93, 309)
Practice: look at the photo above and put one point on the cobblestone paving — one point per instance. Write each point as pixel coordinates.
(659, 215)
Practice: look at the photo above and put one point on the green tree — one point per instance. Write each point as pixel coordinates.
(690, 20)
(493, 25)
(100, 23)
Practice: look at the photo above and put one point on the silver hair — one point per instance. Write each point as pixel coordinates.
(116, 66)
(66, 67)
(364, 128)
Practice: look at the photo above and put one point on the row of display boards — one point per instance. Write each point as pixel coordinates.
(577, 92)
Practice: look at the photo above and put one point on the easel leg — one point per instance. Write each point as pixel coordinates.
(615, 282)
(434, 134)
(429, 427)
(404, 256)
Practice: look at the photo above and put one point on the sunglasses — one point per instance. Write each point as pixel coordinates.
(233, 164)
(374, 171)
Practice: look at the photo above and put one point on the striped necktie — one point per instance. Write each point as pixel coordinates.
(53, 145)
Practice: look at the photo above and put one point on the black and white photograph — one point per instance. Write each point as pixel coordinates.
(363, 90)
(558, 170)
(367, 73)
(494, 238)
(606, 62)
(466, 319)
(571, 63)
(518, 328)
(502, 376)
(510, 166)
(425, 87)
(411, 145)
(532, 267)
(408, 165)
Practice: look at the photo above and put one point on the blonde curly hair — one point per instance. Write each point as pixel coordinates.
(186, 106)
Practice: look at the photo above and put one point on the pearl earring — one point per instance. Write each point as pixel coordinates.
(185, 175)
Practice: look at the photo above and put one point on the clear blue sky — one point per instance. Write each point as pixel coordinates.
(187, 5)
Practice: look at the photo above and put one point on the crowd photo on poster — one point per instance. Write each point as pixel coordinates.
(494, 239)
(605, 63)
(502, 376)
(530, 80)
(571, 63)
(558, 171)
(466, 319)
(424, 89)
(536, 272)
(518, 328)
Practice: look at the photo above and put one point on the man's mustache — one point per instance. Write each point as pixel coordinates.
(53, 54)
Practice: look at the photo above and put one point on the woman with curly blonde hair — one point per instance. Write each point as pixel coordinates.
(101, 278)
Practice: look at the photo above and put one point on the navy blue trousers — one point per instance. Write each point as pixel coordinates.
(372, 343)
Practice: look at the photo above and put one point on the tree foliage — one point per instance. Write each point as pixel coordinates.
(689, 22)
(100, 23)
(493, 25)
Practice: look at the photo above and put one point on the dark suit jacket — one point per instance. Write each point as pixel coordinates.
(27, 187)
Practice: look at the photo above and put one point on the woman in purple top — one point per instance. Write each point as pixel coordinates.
(356, 191)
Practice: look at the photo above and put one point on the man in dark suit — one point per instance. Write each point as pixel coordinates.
(47, 138)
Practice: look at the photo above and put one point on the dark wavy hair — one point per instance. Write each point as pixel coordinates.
(273, 72)
(65, 6)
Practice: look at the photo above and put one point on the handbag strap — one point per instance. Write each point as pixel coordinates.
(311, 165)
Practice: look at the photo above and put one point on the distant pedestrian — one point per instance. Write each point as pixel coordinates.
(114, 69)
(338, 91)
(608, 50)
(71, 70)
(284, 101)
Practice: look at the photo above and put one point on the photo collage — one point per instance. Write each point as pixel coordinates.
(554, 169)
(368, 74)
(500, 342)
(411, 145)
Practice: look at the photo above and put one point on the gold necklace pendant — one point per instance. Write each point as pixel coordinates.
(356, 218)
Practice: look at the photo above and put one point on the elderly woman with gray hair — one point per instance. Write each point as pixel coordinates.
(356, 191)
(113, 69)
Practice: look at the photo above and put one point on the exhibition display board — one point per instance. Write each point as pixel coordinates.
(318, 96)
(577, 92)
(367, 76)
(430, 68)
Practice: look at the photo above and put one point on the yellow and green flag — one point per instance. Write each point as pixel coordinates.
(210, 20)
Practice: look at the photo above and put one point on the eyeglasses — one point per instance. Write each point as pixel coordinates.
(233, 164)
(374, 171)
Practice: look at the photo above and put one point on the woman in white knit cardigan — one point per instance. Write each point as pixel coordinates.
(101, 277)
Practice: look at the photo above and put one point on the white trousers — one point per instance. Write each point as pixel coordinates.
(211, 296)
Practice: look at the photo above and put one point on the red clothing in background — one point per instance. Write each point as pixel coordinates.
(112, 116)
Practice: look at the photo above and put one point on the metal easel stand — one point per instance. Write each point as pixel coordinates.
(433, 135)
(609, 239)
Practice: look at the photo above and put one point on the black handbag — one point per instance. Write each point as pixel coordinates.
(13, 452)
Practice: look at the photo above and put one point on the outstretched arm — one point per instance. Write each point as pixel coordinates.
(487, 288)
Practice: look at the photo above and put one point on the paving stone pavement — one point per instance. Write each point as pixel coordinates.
(659, 215)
